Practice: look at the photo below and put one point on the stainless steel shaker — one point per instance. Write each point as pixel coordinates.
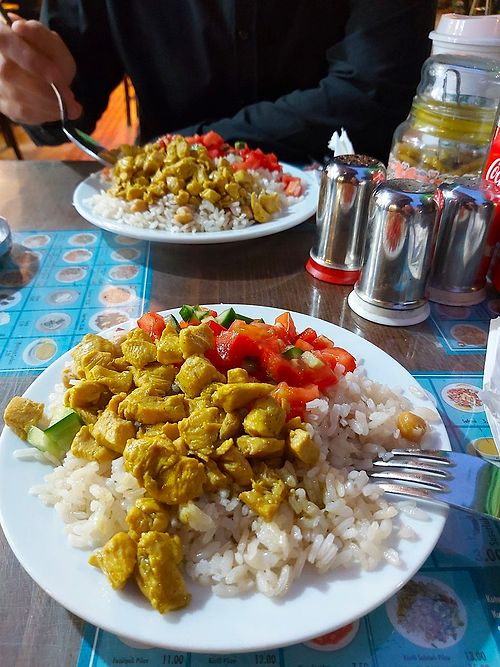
(393, 284)
(347, 183)
(463, 246)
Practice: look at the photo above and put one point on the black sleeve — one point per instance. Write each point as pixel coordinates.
(372, 77)
(84, 27)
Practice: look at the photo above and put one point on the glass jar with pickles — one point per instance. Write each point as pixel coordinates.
(447, 132)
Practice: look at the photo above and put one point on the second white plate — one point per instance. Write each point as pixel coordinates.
(290, 217)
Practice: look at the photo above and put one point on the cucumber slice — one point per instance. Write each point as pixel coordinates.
(226, 318)
(57, 438)
(170, 319)
(244, 318)
(186, 312)
(292, 352)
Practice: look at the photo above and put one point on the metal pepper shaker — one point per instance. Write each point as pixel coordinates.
(347, 183)
(393, 284)
(463, 246)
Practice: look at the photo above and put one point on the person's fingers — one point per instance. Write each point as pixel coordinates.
(16, 50)
(29, 100)
(50, 44)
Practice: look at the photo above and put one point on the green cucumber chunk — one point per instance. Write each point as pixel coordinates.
(292, 352)
(57, 438)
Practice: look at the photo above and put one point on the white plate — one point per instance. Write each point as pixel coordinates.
(315, 605)
(290, 217)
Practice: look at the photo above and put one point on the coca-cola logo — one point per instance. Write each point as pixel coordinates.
(493, 172)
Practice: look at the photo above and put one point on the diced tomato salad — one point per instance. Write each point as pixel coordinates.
(250, 158)
(301, 364)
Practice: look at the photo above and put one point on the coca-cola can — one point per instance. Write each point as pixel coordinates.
(491, 178)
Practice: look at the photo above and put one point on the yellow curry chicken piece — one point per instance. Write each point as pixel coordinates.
(200, 431)
(265, 419)
(138, 348)
(163, 469)
(117, 559)
(267, 493)
(156, 377)
(112, 431)
(168, 348)
(85, 447)
(196, 340)
(147, 514)
(157, 573)
(140, 406)
(195, 374)
(235, 395)
(21, 413)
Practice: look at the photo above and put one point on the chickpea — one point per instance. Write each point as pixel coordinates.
(411, 426)
(183, 215)
(139, 206)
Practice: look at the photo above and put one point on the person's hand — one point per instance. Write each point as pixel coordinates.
(31, 58)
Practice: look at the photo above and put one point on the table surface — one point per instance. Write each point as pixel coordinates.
(35, 630)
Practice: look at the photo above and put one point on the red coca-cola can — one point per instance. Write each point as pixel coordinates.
(491, 177)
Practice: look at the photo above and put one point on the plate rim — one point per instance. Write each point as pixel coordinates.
(170, 643)
(292, 219)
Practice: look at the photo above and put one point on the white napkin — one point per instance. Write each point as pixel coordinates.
(340, 144)
(490, 395)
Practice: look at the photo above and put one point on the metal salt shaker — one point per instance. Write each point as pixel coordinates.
(347, 182)
(393, 285)
(463, 247)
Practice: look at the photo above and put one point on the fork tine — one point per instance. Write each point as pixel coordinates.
(413, 492)
(441, 457)
(414, 464)
(412, 478)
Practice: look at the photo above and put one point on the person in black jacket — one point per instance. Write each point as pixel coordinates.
(279, 74)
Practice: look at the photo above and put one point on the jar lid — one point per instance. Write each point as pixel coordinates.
(460, 29)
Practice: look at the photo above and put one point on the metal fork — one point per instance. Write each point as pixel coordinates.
(84, 141)
(459, 480)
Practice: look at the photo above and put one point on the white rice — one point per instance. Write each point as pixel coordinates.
(334, 517)
(206, 218)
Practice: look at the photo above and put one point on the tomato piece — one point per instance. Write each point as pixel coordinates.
(280, 369)
(321, 343)
(294, 187)
(323, 376)
(303, 345)
(308, 335)
(215, 326)
(295, 397)
(286, 321)
(340, 356)
(232, 347)
(214, 152)
(212, 139)
(152, 323)
(194, 139)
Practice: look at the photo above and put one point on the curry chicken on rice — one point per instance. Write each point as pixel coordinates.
(189, 423)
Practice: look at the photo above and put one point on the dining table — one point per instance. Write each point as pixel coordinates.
(447, 349)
